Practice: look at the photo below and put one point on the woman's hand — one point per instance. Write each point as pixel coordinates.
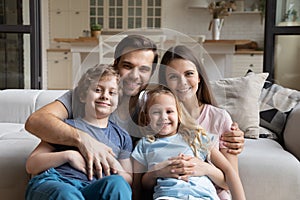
(234, 139)
(189, 166)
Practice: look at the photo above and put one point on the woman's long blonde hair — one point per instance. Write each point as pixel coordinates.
(191, 132)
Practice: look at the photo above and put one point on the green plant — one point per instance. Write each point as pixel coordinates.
(96, 27)
(291, 14)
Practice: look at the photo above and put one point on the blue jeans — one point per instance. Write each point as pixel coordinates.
(50, 185)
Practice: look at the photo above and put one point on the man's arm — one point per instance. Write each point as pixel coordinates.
(234, 139)
(47, 123)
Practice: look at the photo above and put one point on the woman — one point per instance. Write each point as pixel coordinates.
(182, 72)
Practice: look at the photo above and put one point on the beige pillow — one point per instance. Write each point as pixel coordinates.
(239, 96)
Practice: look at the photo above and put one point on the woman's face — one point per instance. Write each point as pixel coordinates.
(182, 77)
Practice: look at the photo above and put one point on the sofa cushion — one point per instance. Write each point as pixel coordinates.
(239, 96)
(17, 104)
(276, 102)
(47, 96)
(266, 168)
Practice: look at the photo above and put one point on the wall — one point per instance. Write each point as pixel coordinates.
(195, 21)
(177, 16)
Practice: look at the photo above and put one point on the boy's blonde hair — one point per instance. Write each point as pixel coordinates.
(93, 75)
(191, 132)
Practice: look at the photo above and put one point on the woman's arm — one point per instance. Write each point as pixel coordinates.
(43, 158)
(193, 166)
(231, 176)
(47, 124)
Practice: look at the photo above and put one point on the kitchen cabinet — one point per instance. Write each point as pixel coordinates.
(242, 62)
(222, 53)
(59, 71)
(68, 19)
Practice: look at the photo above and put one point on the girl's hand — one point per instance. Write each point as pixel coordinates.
(189, 166)
(164, 169)
(76, 160)
(234, 139)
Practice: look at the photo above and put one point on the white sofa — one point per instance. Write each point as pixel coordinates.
(267, 170)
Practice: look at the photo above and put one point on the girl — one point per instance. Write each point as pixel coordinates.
(61, 169)
(171, 132)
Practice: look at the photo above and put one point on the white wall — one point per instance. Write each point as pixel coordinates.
(193, 21)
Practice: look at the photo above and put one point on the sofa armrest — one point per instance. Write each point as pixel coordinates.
(291, 133)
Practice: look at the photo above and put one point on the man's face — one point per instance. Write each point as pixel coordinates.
(135, 68)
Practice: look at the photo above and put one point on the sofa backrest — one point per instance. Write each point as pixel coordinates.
(17, 104)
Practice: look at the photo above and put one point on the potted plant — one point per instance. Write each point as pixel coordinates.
(96, 30)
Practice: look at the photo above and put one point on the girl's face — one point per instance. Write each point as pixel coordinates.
(102, 98)
(163, 115)
(182, 78)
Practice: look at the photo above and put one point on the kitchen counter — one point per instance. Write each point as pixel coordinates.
(77, 40)
(234, 42)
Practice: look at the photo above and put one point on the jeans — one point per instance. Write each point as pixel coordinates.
(50, 185)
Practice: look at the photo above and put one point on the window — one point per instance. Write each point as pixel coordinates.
(126, 14)
(282, 42)
(20, 60)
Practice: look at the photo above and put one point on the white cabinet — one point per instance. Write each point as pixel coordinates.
(247, 61)
(59, 72)
(68, 19)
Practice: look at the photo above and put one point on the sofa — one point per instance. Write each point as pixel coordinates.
(268, 170)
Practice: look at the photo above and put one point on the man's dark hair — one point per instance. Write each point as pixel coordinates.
(136, 42)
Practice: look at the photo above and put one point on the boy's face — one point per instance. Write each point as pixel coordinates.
(163, 115)
(135, 68)
(102, 98)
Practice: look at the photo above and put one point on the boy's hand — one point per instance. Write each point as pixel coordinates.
(76, 160)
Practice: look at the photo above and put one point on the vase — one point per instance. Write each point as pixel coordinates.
(216, 26)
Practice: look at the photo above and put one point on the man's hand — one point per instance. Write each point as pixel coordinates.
(99, 157)
(234, 139)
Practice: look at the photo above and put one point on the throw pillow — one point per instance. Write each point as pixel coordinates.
(276, 102)
(239, 96)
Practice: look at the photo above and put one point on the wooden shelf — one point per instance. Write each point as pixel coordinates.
(245, 12)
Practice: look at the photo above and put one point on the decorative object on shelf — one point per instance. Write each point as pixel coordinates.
(291, 15)
(216, 26)
(219, 10)
(96, 30)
